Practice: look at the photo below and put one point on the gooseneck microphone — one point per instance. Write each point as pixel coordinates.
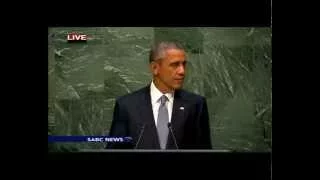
(174, 138)
(140, 135)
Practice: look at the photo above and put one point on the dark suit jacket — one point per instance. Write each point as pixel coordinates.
(133, 117)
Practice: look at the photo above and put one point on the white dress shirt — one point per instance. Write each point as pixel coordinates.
(155, 101)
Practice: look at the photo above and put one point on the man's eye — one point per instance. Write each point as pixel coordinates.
(175, 64)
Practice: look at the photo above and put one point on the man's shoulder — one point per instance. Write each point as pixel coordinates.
(191, 96)
(137, 95)
(133, 96)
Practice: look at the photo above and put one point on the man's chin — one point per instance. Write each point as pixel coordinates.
(177, 87)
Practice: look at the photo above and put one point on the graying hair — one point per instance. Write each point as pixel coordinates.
(157, 51)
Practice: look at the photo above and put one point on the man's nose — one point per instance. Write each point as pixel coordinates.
(181, 69)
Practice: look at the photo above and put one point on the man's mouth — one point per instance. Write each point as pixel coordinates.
(181, 78)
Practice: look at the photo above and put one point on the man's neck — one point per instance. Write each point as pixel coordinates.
(161, 87)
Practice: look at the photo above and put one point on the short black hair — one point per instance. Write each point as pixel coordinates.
(156, 51)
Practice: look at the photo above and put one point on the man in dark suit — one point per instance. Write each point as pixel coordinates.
(162, 115)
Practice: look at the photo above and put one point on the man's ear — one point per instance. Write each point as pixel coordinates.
(154, 67)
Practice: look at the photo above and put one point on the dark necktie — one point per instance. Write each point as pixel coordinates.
(162, 123)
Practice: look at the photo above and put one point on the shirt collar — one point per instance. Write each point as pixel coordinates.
(156, 94)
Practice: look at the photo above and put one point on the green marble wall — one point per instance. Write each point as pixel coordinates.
(232, 67)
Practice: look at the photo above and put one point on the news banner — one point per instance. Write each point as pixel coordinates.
(114, 139)
(89, 139)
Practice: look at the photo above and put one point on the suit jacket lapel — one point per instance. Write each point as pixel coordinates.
(149, 139)
(177, 120)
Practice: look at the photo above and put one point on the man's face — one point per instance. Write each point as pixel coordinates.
(170, 70)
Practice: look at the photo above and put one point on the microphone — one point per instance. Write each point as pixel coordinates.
(174, 138)
(140, 135)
